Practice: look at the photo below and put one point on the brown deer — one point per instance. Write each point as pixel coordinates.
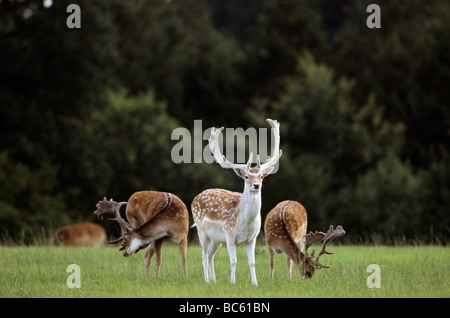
(285, 231)
(85, 234)
(222, 216)
(153, 217)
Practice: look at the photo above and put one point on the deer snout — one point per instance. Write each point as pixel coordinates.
(127, 253)
(256, 186)
(133, 246)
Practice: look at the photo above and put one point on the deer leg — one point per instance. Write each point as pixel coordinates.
(251, 260)
(300, 267)
(272, 261)
(182, 246)
(233, 260)
(291, 252)
(289, 266)
(148, 257)
(204, 241)
(212, 249)
(158, 247)
(301, 244)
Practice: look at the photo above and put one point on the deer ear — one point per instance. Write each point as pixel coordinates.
(240, 172)
(266, 171)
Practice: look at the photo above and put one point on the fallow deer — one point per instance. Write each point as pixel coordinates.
(222, 216)
(285, 231)
(85, 234)
(153, 217)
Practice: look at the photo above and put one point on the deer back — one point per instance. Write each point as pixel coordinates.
(145, 205)
(216, 205)
(285, 224)
(158, 211)
(85, 234)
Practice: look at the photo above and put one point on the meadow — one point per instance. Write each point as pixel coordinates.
(41, 271)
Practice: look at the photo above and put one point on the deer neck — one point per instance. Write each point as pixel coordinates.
(148, 232)
(144, 235)
(251, 203)
(137, 241)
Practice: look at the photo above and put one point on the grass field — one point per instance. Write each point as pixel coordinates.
(41, 271)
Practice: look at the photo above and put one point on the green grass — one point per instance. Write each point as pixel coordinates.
(40, 271)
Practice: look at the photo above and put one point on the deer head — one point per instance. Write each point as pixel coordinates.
(310, 264)
(131, 242)
(253, 176)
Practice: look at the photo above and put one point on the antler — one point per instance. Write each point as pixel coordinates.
(312, 238)
(220, 158)
(276, 149)
(224, 163)
(331, 234)
(112, 207)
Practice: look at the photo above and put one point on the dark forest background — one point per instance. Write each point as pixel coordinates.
(365, 113)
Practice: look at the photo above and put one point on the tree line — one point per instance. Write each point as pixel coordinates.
(365, 115)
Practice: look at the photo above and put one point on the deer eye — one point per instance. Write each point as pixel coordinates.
(246, 177)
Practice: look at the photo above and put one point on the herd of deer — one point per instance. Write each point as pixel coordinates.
(221, 217)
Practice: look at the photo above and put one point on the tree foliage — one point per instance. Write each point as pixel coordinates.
(365, 115)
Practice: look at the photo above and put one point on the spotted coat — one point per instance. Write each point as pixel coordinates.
(285, 229)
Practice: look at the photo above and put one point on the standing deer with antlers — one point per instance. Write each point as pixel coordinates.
(154, 217)
(222, 216)
(285, 229)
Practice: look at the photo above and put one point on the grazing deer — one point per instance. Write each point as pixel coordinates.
(285, 229)
(85, 234)
(222, 216)
(153, 217)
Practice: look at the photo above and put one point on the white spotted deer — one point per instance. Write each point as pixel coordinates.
(225, 217)
(285, 232)
(153, 217)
